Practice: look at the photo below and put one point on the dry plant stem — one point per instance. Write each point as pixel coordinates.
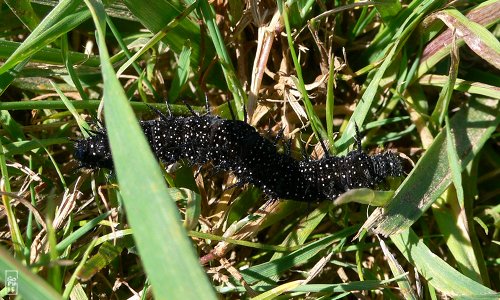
(15, 198)
(237, 275)
(246, 232)
(483, 16)
(63, 211)
(219, 213)
(422, 128)
(323, 64)
(345, 279)
(241, 50)
(113, 219)
(318, 267)
(264, 46)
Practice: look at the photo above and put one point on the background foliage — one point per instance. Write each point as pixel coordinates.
(419, 77)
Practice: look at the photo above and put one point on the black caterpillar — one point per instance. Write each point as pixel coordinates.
(232, 145)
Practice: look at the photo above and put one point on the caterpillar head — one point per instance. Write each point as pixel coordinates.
(94, 152)
(387, 164)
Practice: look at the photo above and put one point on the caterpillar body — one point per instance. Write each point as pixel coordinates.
(235, 146)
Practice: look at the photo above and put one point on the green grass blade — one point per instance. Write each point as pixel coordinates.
(8, 77)
(304, 228)
(73, 237)
(388, 8)
(24, 11)
(486, 14)
(477, 37)
(123, 46)
(397, 270)
(330, 103)
(439, 274)
(30, 286)
(376, 50)
(365, 196)
(49, 55)
(157, 14)
(54, 274)
(166, 251)
(90, 105)
(431, 176)
(59, 21)
(276, 267)
(73, 280)
(182, 73)
(193, 207)
(316, 124)
(16, 236)
(107, 252)
(461, 85)
(454, 162)
(157, 38)
(84, 127)
(278, 290)
(12, 128)
(443, 101)
(69, 67)
(322, 288)
(452, 223)
(234, 85)
(25, 146)
(390, 53)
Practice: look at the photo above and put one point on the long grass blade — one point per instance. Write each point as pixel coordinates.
(141, 180)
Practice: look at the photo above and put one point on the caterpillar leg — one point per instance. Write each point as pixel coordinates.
(279, 136)
(287, 144)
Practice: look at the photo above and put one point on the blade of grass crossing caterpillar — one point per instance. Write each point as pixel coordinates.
(159, 236)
